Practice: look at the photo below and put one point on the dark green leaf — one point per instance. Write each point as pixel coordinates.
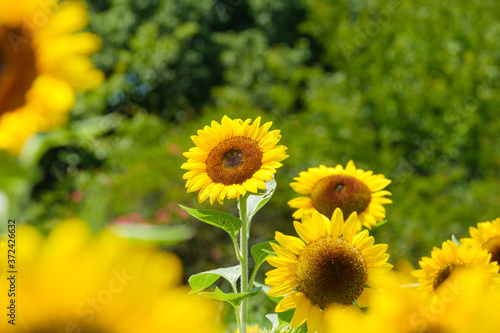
(261, 251)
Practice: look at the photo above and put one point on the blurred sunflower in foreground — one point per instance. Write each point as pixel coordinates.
(466, 304)
(486, 236)
(74, 281)
(43, 61)
(451, 257)
(350, 189)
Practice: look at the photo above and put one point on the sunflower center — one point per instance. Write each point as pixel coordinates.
(493, 247)
(17, 68)
(331, 270)
(234, 160)
(444, 273)
(340, 191)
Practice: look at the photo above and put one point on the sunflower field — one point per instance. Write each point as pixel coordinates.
(249, 166)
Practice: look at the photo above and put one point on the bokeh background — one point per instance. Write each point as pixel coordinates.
(409, 89)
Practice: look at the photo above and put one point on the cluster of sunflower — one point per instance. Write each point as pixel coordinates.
(334, 269)
(74, 281)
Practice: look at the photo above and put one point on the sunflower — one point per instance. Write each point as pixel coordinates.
(232, 158)
(449, 258)
(467, 306)
(350, 189)
(328, 267)
(42, 62)
(74, 281)
(487, 236)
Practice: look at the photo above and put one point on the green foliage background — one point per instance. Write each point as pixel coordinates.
(409, 89)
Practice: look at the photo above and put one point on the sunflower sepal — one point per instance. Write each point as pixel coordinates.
(455, 240)
(229, 223)
(234, 299)
(281, 322)
(260, 252)
(201, 281)
(378, 225)
(254, 202)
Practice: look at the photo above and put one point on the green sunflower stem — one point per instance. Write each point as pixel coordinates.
(244, 262)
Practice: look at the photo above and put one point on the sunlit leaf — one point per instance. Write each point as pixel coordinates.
(158, 234)
(219, 219)
(203, 280)
(281, 322)
(256, 201)
(232, 298)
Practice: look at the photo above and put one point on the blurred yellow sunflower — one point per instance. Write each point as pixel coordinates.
(350, 189)
(329, 266)
(467, 305)
(449, 258)
(232, 158)
(74, 281)
(487, 236)
(42, 61)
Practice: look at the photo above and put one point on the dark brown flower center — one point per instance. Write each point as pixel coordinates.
(17, 68)
(331, 270)
(493, 247)
(234, 160)
(444, 273)
(340, 191)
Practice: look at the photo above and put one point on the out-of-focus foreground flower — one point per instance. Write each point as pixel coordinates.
(43, 61)
(350, 189)
(74, 281)
(465, 304)
(486, 236)
(452, 257)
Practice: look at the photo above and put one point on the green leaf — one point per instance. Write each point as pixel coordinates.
(157, 234)
(261, 251)
(219, 219)
(286, 317)
(256, 201)
(10, 169)
(233, 299)
(201, 281)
